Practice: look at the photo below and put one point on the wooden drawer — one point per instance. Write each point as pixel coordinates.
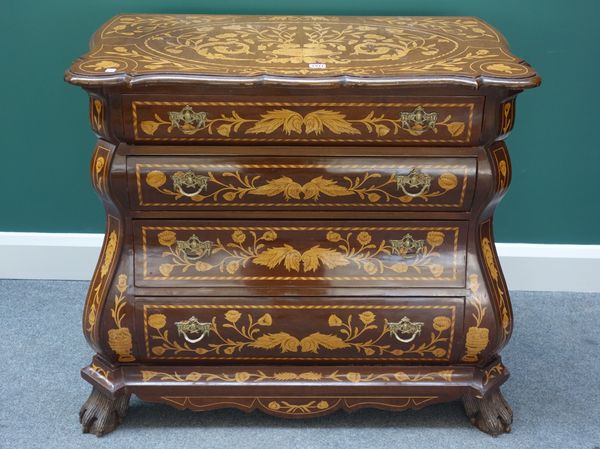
(227, 329)
(415, 120)
(299, 253)
(286, 183)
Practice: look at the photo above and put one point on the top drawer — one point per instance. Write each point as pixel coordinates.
(411, 120)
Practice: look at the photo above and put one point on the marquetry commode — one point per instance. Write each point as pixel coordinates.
(299, 213)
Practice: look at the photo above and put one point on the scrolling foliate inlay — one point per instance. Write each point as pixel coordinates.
(97, 115)
(292, 406)
(507, 116)
(502, 163)
(99, 281)
(440, 122)
(414, 123)
(234, 334)
(246, 247)
(103, 373)
(100, 168)
(499, 285)
(408, 186)
(489, 374)
(282, 406)
(305, 376)
(302, 46)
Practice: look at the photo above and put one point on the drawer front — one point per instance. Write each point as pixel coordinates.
(417, 329)
(194, 183)
(299, 253)
(414, 120)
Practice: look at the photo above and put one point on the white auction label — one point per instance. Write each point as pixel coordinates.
(316, 65)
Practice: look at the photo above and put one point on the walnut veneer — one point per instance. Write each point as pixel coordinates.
(299, 213)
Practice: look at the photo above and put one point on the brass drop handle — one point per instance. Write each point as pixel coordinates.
(405, 327)
(193, 326)
(184, 193)
(414, 180)
(189, 180)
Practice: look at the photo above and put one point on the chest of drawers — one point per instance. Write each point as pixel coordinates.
(299, 214)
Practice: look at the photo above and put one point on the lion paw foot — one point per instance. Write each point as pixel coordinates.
(491, 414)
(101, 414)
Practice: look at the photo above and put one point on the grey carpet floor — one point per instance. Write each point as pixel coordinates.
(554, 358)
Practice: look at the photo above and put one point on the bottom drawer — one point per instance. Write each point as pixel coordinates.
(297, 329)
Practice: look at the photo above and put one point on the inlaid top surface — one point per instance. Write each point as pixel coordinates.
(132, 49)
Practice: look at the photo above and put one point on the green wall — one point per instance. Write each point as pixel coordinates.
(46, 141)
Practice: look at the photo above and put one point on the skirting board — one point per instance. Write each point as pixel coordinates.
(540, 267)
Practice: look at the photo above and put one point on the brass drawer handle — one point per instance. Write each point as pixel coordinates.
(413, 181)
(188, 121)
(418, 121)
(193, 249)
(407, 247)
(193, 326)
(405, 327)
(189, 180)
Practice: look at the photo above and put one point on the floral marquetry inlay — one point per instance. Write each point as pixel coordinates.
(502, 163)
(100, 168)
(288, 46)
(119, 337)
(99, 281)
(499, 289)
(478, 336)
(402, 186)
(97, 114)
(507, 116)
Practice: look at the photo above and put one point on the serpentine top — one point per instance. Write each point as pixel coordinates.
(140, 49)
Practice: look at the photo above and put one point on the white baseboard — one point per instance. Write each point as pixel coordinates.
(39, 255)
(548, 267)
(541, 267)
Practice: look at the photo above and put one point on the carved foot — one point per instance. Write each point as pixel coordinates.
(491, 414)
(101, 414)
